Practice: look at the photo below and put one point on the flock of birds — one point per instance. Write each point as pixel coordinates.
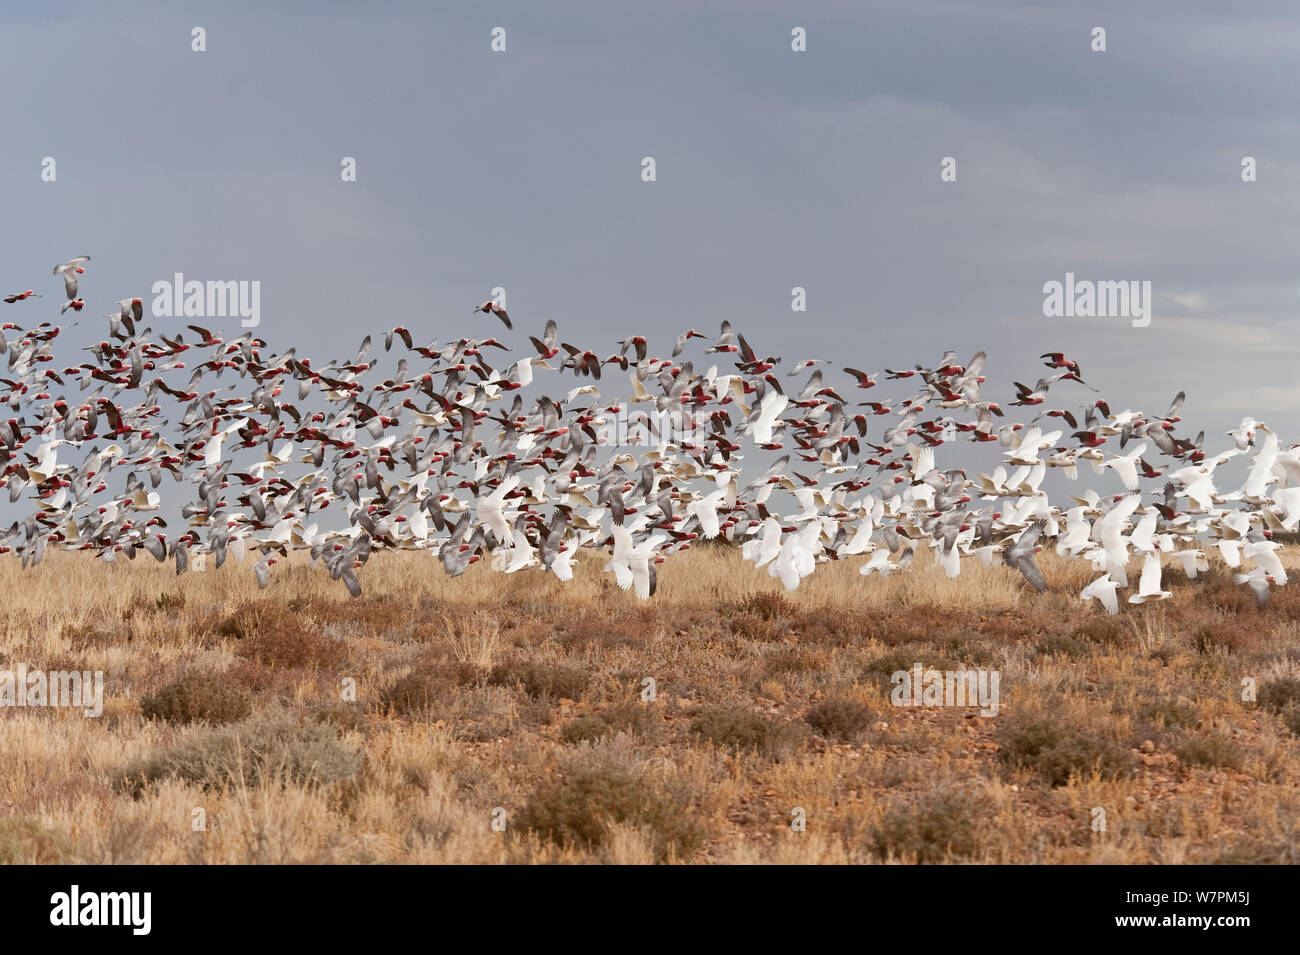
(445, 455)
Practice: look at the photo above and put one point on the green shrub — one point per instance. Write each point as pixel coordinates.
(1055, 748)
(541, 679)
(288, 645)
(1226, 635)
(1169, 713)
(342, 716)
(1212, 751)
(840, 718)
(266, 748)
(577, 810)
(880, 669)
(792, 660)
(933, 827)
(1280, 694)
(1291, 719)
(1107, 631)
(742, 730)
(635, 719)
(769, 605)
(419, 689)
(1061, 645)
(206, 697)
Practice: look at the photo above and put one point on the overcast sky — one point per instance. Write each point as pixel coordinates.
(775, 169)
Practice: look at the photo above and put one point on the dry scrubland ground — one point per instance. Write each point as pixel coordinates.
(523, 693)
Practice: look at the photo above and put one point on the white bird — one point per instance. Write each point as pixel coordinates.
(1264, 554)
(1077, 533)
(1149, 582)
(1261, 475)
(764, 548)
(1126, 466)
(879, 562)
(212, 450)
(70, 270)
(262, 570)
(1103, 589)
(1193, 562)
(491, 508)
(522, 554)
(641, 562)
(797, 558)
(1143, 536)
(1258, 581)
(620, 561)
(705, 509)
(768, 412)
(1288, 499)
(1244, 434)
(1110, 533)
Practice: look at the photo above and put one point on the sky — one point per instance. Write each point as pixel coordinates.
(820, 169)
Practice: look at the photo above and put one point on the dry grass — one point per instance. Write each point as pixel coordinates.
(407, 725)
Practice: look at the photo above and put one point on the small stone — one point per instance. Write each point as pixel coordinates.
(1148, 746)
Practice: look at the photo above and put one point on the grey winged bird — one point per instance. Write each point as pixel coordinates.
(1020, 555)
